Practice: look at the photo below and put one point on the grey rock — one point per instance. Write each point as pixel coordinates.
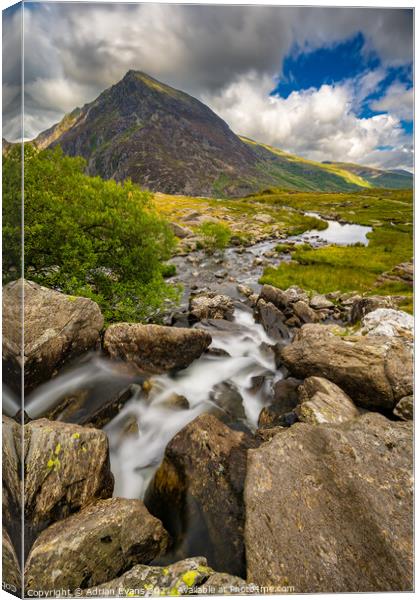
(57, 328)
(390, 323)
(272, 320)
(211, 306)
(321, 401)
(319, 301)
(375, 371)
(180, 231)
(228, 399)
(224, 584)
(66, 468)
(285, 399)
(142, 580)
(329, 508)
(155, 348)
(362, 306)
(304, 312)
(199, 487)
(405, 408)
(94, 545)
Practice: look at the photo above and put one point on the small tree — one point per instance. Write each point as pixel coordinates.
(85, 236)
(214, 236)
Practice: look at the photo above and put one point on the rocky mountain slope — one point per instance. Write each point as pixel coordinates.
(168, 141)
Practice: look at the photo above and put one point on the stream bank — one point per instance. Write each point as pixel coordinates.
(217, 424)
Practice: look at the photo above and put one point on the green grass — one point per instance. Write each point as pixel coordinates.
(368, 207)
(242, 211)
(351, 268)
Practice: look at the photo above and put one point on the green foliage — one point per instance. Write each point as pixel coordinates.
(284, 248)
(214, 236)
(85, 236)
(168, 270)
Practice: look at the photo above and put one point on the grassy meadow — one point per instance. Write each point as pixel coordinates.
(327, 269)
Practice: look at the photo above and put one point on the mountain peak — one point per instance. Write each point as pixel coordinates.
(140, 78)
(167, 141)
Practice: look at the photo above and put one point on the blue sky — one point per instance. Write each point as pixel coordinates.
(344, 61)
(324, 83)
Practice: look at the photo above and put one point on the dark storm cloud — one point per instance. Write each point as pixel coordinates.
(75, 50)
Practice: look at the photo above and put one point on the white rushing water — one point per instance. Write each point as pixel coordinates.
(140, 432)
(136, 455)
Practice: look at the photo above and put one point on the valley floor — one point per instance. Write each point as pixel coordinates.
(275, 214)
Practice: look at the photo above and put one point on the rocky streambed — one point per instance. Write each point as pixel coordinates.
(245, 264)
(263, 427)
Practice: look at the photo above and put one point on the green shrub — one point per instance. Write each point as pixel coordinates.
(168, 270)
(85, 236)
(214, 236)
(284, 248)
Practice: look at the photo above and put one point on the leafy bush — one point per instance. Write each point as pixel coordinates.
(284, 248)
(168, 270)
(214, 236)
(85, 236)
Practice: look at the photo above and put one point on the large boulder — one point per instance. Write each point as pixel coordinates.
(94, 545)
(211, 306)
(374, 371)
(155, 348)
(66, 468)
(329, 508)
(321, 401)
(197, 492)
(189, 576)
(57, 327)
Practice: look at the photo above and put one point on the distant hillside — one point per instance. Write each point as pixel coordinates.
(294, 172)
(378, 178)
(168, 141)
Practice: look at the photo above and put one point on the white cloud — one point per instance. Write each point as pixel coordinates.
(228, 55)
(398, 101)
(316, 123)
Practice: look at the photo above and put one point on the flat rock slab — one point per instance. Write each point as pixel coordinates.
(374, 371)
(155, 348)
(329, 508)
(94, 545)
(57, 327)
